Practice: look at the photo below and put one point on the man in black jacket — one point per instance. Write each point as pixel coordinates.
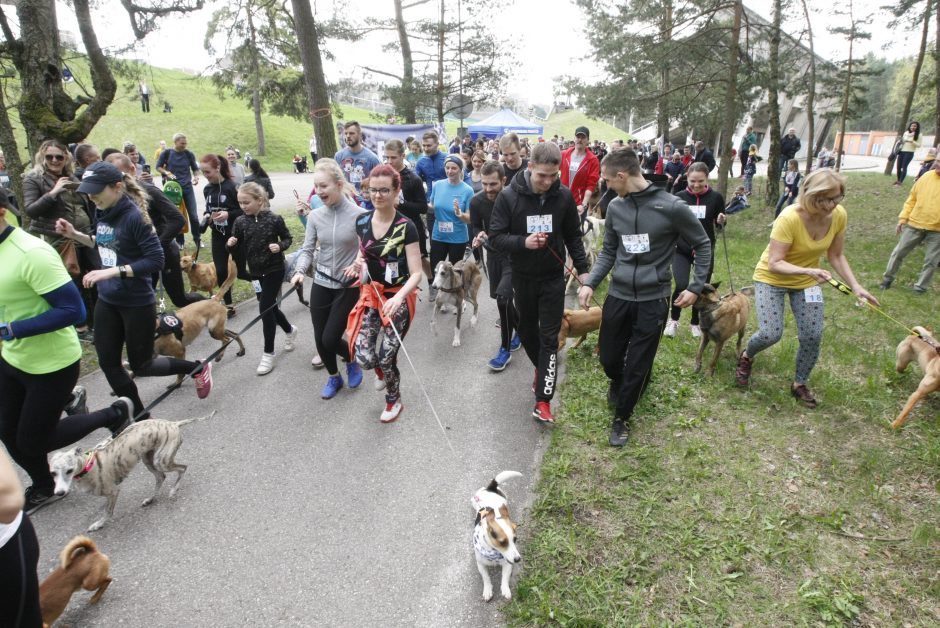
(704, 155)
(534, 220)
(412, 199)
(789, 146)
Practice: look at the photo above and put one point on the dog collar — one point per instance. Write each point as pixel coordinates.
(90, 459)
(484, 549)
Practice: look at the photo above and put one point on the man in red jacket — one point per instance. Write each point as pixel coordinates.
(580, 169)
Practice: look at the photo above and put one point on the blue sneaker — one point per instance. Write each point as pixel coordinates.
(353, 374)
(515, 343)
(501, 360)
(333, 385)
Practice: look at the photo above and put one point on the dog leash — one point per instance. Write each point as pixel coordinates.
(212, 356)
(572, 273)
(844, 288)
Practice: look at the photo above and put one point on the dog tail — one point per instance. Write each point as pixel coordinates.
(501, 477)
(83, 543)
(229, 281)
(198, 418)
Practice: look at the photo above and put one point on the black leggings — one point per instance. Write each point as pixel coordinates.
(446, 250)
(172, 277)
(30, 407)
(329, 309)
(133, 327)
(682, 263)
(19, 583)
(270, 290)
(220, 255)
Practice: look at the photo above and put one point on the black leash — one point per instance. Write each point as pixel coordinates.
(172, 388)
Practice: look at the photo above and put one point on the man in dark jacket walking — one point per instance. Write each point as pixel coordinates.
(704, 155)
(534, 220)
(789, 146)
(642, 227)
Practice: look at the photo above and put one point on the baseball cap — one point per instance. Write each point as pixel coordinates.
(99, 175)
(582, 130)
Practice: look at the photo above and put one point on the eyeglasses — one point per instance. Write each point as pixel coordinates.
(835, 200)
(54, 157)
(380, 191)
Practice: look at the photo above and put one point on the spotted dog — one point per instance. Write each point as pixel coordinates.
(494, 534)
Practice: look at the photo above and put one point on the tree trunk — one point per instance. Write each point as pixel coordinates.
(408, 106)
(773, 161)
(318, 99)
(731, 101)
(848, 91)
(255, 80)
(439, 95)
(662, 107)
(11, 151)
(811, 94)
(909, 100)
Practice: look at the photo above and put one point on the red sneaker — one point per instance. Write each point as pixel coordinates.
(543, 412)
(204, 380)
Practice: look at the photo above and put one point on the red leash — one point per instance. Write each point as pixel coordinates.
(572, 272)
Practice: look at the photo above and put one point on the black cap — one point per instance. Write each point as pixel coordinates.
(582, 130)
(99, 175)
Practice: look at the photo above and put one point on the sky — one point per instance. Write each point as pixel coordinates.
(524, 23)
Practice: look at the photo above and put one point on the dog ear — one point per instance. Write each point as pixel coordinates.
(78, 451)
(716, 284)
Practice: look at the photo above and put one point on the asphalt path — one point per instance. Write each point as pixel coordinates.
(297, 511)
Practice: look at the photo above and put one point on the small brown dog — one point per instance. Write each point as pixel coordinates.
(202, 276)
(927, 354)
(720, 318)
(207, 314)
(82, 567)
(578, 323)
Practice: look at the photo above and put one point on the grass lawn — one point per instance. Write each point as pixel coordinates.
(740, 507)
(566, 122)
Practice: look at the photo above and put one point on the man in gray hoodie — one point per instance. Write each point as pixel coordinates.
(642, 227)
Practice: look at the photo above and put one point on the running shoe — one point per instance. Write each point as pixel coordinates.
(230, 311)
(266, 365)
(204, 380)
(671, 328)
(543, 412)
(78, 404)
(803, 394)
(379, 379)
(742, 374)
(353, 374)
(125, 411)
(291, 338)
(619, 433)
(333, 385)
(501, 360)
(696, 331)
(515, 343)
(392, 411)
(317, 361)
(37, 498)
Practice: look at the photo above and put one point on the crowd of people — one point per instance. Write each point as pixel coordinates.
(82, 260)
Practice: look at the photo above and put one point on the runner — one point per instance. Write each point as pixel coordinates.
(412, 200)
(580, 170)
(430, 168)
(510, 151)
(355, 159)
(534, 220)
(333, 227)
(222, 210)
(391, 264)
(179, 164)
(450, 202)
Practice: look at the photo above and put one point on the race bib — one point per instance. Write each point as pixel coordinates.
(108, 257)
(256, 284)
(813, 295)
(445, 227)
(391, 273)
(698, 210)
(221, 223)
(539, 224)
(636, 243)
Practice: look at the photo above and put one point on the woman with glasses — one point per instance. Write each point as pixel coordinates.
(333, 227)
(50, 193)
(812, 227)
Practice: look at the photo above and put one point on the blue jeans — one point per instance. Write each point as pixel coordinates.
(784, 199)
(189, 197)
(904, 160)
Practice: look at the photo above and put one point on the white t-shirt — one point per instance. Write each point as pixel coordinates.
(574, 165)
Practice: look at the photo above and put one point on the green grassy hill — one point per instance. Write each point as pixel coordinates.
(566, 122)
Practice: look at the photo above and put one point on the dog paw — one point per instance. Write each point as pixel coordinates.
(487, 595)
(147, 501)
(456, 342)
(473, 320)
(507, 594)
(97, 525)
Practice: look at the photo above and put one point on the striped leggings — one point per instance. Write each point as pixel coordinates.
(809, 324)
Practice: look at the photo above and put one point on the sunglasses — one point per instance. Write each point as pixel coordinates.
(54, 157)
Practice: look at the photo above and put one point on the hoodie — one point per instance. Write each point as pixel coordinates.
(516, 207)
(640, 237)
(334, 229)
(124, 237)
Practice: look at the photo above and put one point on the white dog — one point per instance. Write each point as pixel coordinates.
(494, 534)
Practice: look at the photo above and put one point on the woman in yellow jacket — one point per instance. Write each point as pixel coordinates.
(918, 222)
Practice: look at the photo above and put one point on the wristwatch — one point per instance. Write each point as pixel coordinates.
(123, 271)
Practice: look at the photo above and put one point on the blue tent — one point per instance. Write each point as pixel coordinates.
(502, 122)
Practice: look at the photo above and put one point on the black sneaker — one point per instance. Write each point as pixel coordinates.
(37, 498)
(78, 404)
(885, 284)
(125, 410)
(619, 433)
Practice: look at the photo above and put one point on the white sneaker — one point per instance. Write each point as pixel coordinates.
(671, 328)
(316, 362)
(379, 379)
(696, 331)
(291, 337)
(266, 365)
(391, 412)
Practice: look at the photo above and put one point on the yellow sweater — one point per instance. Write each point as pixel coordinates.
(922, 208)
(804, 250)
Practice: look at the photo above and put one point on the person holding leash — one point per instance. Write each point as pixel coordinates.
(223, 210)
(333, 227)
(642, 227)
(450, 202)
(535, 219)
(789, 267)
(389, 263)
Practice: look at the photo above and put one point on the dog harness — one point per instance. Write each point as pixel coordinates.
(167, 324)
(482, 548)
(90, 459)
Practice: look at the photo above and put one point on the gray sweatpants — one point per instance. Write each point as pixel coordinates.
(809, 325)
(910, 238)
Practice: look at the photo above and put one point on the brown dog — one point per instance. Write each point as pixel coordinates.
(82, 567)
(202, 276)
(207, 314)
(578, 323)
(927, 356)
(720, 318)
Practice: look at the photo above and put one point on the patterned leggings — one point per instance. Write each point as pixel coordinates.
(809, 325)
(385, 355)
